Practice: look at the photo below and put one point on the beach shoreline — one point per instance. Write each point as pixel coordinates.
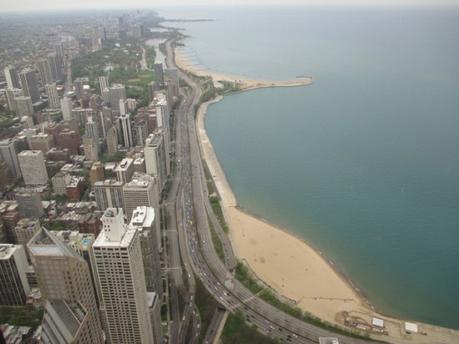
(243, 82)
(315, 284)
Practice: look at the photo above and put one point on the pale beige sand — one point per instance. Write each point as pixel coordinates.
(293, 268)
(244, 82)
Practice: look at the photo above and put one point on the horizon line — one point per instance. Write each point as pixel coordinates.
(313, 3)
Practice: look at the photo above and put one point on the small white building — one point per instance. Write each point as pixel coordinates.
(377, 322)
(411, 327)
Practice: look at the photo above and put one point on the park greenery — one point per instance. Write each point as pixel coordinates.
(150, 54)
(216, 207)
(218, 246)
(21, 315)
(120, 59)
(206, 306)
(116, 157)
(228, 87)
(7, 119)
(236, 330)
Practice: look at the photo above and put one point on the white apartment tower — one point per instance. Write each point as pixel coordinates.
(53, 97)
(103, 83)
(66, 107)
(120, 274)
(117, 92)
(32, 163)
(142, 190)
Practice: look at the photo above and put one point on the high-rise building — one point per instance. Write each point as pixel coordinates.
(126, 131)
(13, 282)
(29, 204)
(60, 181)
(112, 141)
(91, 149)
(109, 194)
(29, 84)
(69, 139)
(8, 153)
(11, 94)
(117, 92)
(24, 106)
(96, 173)
(124, 170)
(140, 132)
(54, 66)
(66, 108)
(81, 243)
(159, 74)
(53, 96)
(147, 224)
(91, 129)
(65, 322)
(59, 49)
(120, 275)
(105, 94)
(33, 169)
(103, 83)
(5, 175)
(155, 158)
(79, 88)
(145, 221)
(142, 190)
(139, 165)
(102, 124)
(46, 73)
(11, 76)
(63, 274)
(163, 118)
(41, 141)
(24, 231)
(123, 107)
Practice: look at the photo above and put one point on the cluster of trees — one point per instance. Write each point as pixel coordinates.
(125, 65)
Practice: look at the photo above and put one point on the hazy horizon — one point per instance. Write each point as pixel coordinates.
(56, 5)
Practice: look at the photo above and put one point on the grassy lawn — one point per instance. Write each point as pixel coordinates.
(142, 78)
(216, 207)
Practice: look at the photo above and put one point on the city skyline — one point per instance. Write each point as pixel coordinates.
(55, 5)
(155, 163)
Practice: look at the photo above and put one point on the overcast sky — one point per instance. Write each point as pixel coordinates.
(41, 5)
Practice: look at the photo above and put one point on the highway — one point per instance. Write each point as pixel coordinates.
(193, 230)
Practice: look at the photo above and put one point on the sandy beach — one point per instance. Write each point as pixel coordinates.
(292, 267)
(243, 82)
(281, 260)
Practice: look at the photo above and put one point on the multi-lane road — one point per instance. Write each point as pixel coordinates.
(193, 212)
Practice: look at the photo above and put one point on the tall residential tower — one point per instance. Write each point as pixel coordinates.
(120, 274)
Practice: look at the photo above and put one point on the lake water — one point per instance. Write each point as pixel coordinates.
(364, 164)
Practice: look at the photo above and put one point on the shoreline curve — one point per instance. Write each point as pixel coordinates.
(275, 260)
